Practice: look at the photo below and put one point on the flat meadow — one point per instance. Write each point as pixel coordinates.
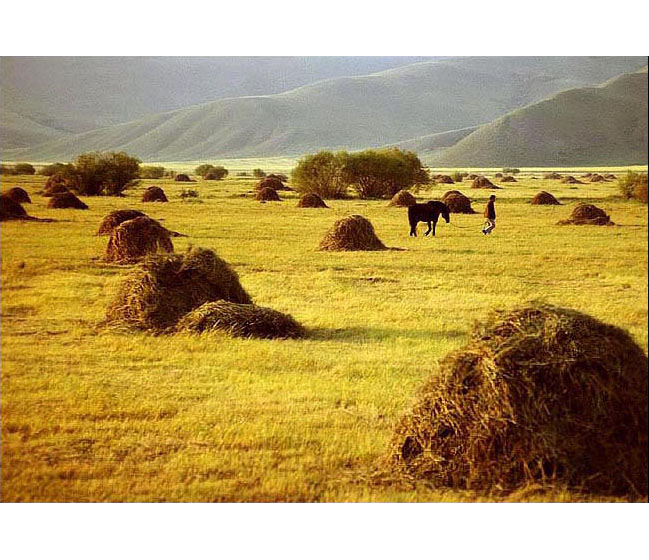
(97, 414)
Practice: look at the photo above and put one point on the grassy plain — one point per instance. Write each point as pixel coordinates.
(90, 414)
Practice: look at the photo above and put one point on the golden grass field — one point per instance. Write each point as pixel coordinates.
(90, 414)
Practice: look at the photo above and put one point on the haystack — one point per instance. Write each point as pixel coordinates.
(586, 175)
(311, 200)
(66, 200)
(457, 203)
(19, 195)
(183, 178)
(610, 177)
(272, 182)
(640, 192)
(444, 179)
(472, 176)
(539, 394)
(110, 222)
(164, 288)
(267, 194)
(57, 183)
(353, 233)
(154, 194)
(544, 198)
(483, 183)
(508, 179)
(134, 239)
(55, 189)
(596, 178)
(552, 175)
(244, 320)
(10, 209)
(403, 198)
(498, 176)
(587, 214)
(570, 180)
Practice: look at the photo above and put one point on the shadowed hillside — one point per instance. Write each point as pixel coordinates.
(606, 125)
(351, 112)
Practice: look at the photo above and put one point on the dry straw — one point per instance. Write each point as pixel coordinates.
(154, 194)
(311, 200)
(539, 394)
(66, 200)
(10, 209)
(483, 183)
(267, 194)
(19, 195)
(587, 215)
(544, 198)
(273, 182)
(244, 320)
(110, 222)
(164, 288)
(457, 203)
(403, 198)
(353, 233)
(134, 239)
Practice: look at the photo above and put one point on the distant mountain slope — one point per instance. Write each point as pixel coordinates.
(347, 112)
(17, 131)
(435, 142)
(606, 125)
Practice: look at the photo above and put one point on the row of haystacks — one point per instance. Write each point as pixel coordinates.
(194, 292)
(539, 395)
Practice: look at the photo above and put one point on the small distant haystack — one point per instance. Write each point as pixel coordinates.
(498, 175)
(66, 200)
(283, 178)
(472, 176)
(586, 175)
(134, 239)
(544, 198)
(165, 288)
(483, 183)
(10, 209)
(154, 194)
(311, 200)
(508, 179)
(19, 195)
(457, 203)
(587, 214)
(267, 194)
(596, 178)
(353, 233)
(552, 175)
(243, 320)
(444, 179)
(272, 182)
(610, 177)
(539, 395)
(110, 222)
(570, 180)
(183, 178)
(403, 198)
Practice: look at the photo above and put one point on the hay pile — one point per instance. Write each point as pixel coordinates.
(55, 189)
(403, 198)
(640, 192)
(267, 194)
(244, 320)
(443, 179)
(544, 198)
(154, 194)
(539, 394)
(110, 222)
(498, 176)
(586, 175)
(610, 177)
(134, 239)
(587, 215)
(482, 182)
(353, 233)
(508, 179)
(164, 288)
(596, 178)
(552, 175)
(19, 195)
(570, 180)
(272, 182)
(57, 183)
(457, 203)
(10, 209)
(472, 176)
(311, 200)
(66, 200)
(183, 178)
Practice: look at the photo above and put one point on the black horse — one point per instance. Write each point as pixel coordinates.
(428, 212)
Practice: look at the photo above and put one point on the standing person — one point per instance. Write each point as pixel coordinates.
(490, 214)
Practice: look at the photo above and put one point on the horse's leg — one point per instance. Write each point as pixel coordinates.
(428, 230)
(413, 229)
(434, 225)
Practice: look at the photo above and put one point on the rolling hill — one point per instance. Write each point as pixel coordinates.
(605, 125)
(396, 105)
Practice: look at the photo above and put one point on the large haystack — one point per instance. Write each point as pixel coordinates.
(164, 288)
(66, 200)
(19, 195)
(154, 194)
(587, 215)
(508, 179)
(403, 198)
(539, 394)
(244, 320)
(311, 200)
(570, 180)
(110, 222)
(552, 175)
(134, 239)
(544, 198)
(482, 182)
(272, 182)
(10, 209)
(353, 233)
(183, 178)
(457, 203)
(267, 194)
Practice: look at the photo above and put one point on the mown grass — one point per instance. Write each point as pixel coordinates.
(90, 414)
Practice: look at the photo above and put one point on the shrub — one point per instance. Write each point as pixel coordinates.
(640, 192)
(152, 172)
(188, 193)
(24, 169)
(511, 170)
(6, 170)
(258, 173)
(322, 174)
(628, 183)
(242, 174)
(216, 173)
(109, 173)
(457, 176)
(52, 169)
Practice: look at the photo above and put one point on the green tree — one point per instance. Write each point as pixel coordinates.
(108, 173)
(203, 169)
(6, 170)
(321, 173)
(152, 172)
(52, 169)
(24, 169)
(258, 173)
(217, 173)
